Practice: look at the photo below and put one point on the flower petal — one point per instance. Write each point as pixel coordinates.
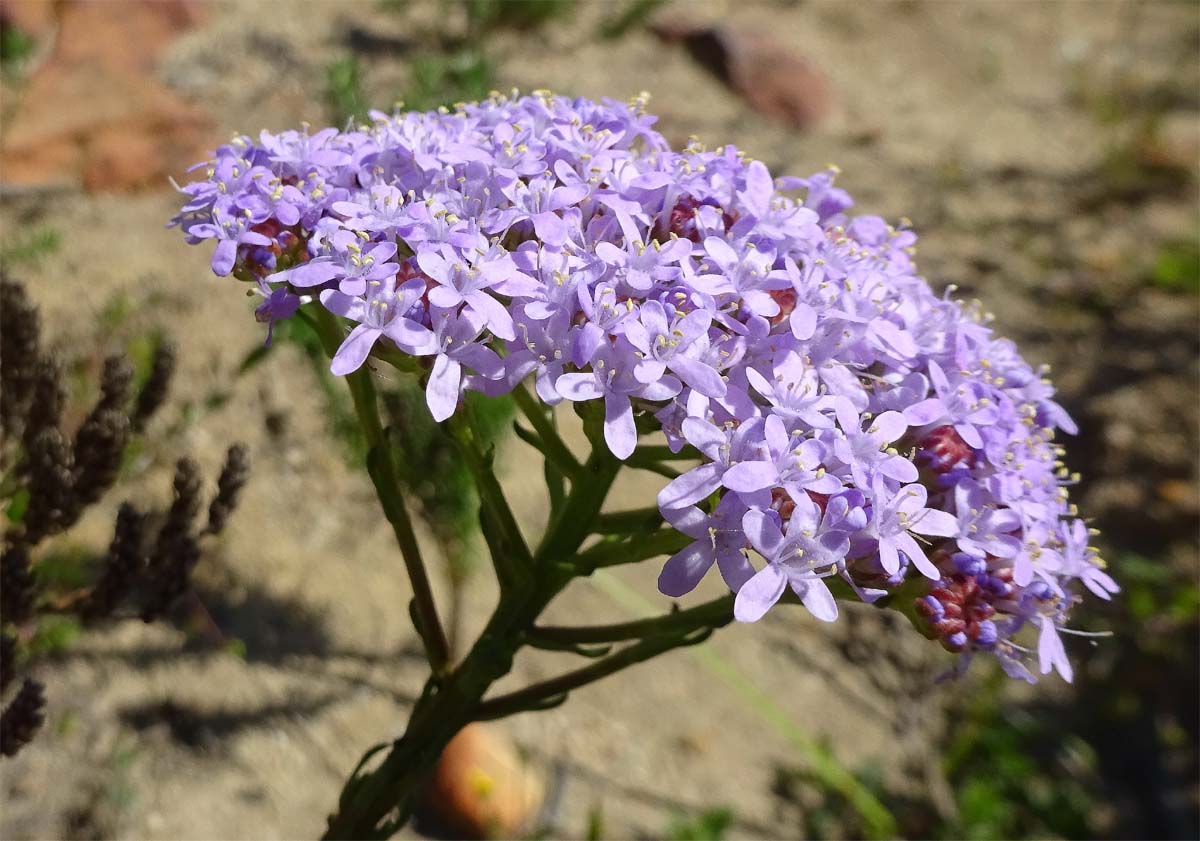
(748, 476)
(815, 595)
(354, 350)
(759, 594)
(441, 395)
(691, 487)
(683, 570)
(620, 432)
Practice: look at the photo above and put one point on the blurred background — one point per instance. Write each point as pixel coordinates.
(1046, 153)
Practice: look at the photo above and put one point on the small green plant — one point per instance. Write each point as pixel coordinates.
(345, 89)
(525, 14)
(632, 15)
(16, 46)
(30, 249)
(445, 78)
(1178, 267)
(710, 825)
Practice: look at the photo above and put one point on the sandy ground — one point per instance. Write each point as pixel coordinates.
(977, 121)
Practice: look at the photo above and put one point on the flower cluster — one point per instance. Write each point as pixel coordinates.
(850, 423)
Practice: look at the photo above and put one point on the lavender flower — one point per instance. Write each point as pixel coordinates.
(849, 421)
(799, 559)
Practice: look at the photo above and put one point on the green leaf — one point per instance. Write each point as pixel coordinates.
(15, 512)
(709, 825)
(65, 568)
(345, 90)
(1178, 267)
(30, 249)
(54, 634)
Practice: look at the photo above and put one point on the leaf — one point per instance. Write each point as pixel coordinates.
(15, 512)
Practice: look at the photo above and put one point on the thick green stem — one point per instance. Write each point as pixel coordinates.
(574, 521)
(382, 468)
(714, 614)
(449, 704)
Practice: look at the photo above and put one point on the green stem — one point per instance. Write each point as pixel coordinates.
(626, 522)
(396, 358)
(511, 557)
(714, 614)
(574, 521)
(556, 485)
(611, 553)
(553, 445)
(449, 704)
(660, 452)
(654, 467)
(550, 692)
(376, 803)
(382, 469)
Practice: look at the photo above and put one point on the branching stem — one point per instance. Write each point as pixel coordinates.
(551, 692)
(553, 445)
(714, 614)
(382, 468)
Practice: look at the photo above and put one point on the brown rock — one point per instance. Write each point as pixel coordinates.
(93, 114)
(36, 18)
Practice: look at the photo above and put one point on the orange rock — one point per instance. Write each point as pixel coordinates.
(481, 788)
(127, 35)
(94, 115)
(36, 18)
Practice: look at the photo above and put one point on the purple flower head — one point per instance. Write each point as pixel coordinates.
(541, 203)
(966, 405)
(749, 271)
(456, 344)
(232, 227)
(984, 529)
(786, 460)
(558, 277)
(468, 281)
(1079, 560)
(638, 268)
(279, 305)
(894, 520)
(353, 261)
(847, 420)
(795, 392)
(722, 446)
(542, 347)
(380, 211)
